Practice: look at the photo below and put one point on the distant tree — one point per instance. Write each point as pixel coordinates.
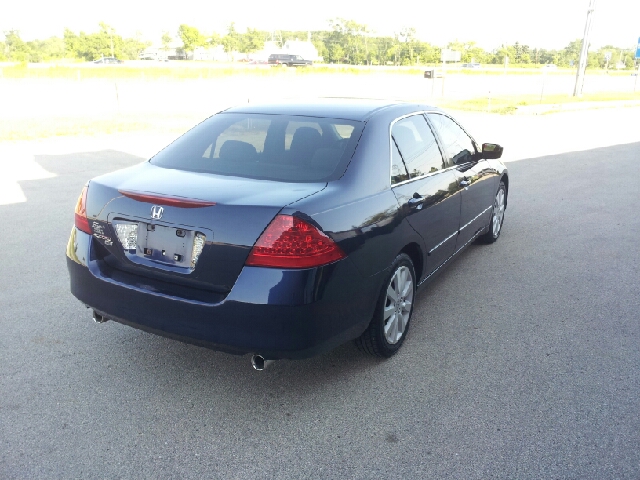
(214, 39)
(71, 41)
(191, 38)
(336, 53)
(350, 36)
(321, 48)
(253, 40)
(570, 53)
(133, 47)
(629, 61)
(15, 48)
(166, 41)
(231, 41)
(45, 50)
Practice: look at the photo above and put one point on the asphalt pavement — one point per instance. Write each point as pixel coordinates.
(522, 360)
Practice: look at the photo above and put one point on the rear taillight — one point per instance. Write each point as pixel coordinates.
(81, 212)
(289, 242)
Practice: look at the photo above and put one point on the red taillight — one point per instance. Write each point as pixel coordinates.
(81, 212)
(289, 242)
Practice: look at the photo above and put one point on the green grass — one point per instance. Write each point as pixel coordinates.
(509, 104)
(185, 71)
(195, 70)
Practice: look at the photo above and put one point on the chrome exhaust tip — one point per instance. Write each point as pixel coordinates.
(260, 363)
(99, 318)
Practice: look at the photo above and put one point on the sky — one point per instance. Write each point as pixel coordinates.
(491, 23)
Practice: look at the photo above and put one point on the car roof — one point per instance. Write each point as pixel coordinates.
(345, 108)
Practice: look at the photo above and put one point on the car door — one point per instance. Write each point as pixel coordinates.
(425, 190)
(476, 179)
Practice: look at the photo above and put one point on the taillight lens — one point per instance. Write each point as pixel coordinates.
(289, 242)
(82, 223)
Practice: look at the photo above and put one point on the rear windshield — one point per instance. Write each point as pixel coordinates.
(272, 147)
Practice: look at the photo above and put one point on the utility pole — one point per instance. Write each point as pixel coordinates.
(582, 64)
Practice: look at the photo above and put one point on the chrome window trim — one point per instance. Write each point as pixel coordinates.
(444, 160)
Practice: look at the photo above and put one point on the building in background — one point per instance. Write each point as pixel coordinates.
(215, 53)
(173, 51)
(303, 48)
(262, 56)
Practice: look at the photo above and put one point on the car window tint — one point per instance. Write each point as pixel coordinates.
(398, 169)
(417, 145)
(274, 147)
(457, 143)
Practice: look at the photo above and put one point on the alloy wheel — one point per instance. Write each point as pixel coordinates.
(498, 212)
(397, 308)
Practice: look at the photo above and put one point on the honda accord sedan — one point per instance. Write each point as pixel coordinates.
(286, 229)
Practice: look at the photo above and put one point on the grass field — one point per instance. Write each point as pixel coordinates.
(50, 100)
(510, 103)
(202, 70)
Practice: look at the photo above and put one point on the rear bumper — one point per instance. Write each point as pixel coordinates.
(271, 312)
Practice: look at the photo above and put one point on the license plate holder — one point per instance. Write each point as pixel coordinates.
(168, 245)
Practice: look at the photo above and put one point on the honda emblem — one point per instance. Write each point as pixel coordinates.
(156, 212)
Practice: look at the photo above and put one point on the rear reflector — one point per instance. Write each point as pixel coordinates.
(198, 245)
(156, 199)
(81, 221)
(289, 242)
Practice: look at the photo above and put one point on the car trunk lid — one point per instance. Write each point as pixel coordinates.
(168, 213)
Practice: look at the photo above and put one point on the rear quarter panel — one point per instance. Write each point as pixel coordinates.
(359, 211)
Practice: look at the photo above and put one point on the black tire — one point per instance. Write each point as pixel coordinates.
(374, 340)
(492, 235)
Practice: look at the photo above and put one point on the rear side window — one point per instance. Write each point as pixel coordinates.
(417, 145)
(272, 147)
(398, 170)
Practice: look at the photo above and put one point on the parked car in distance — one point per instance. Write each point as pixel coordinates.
(286, 229)
(108, 60)
(288, 60)
(549, 66)
(471, 65)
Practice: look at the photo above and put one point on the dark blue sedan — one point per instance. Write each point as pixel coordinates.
(284, 230)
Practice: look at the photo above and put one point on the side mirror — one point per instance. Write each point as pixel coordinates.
(491, 150)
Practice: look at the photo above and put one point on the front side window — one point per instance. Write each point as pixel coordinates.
(457, 143)
(272, 147)
(417, 145)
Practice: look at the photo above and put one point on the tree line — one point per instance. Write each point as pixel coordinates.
(344, 41)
